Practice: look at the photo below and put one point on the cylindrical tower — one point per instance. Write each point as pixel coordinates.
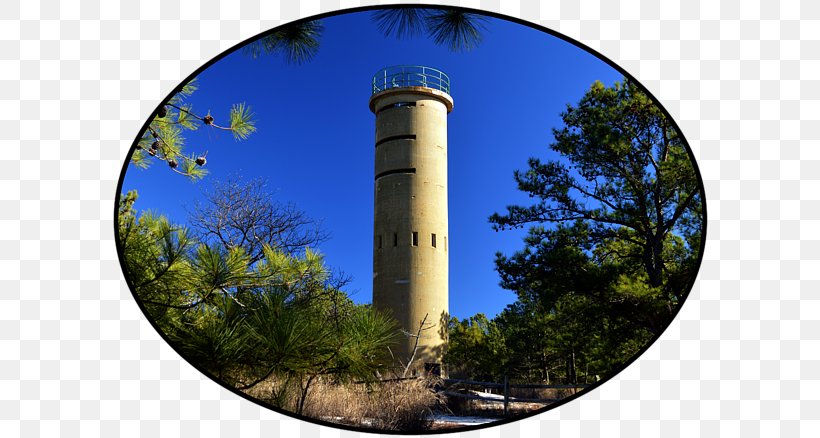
(410, 262)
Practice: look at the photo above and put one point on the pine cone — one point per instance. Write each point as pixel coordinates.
(173, 163)
(200, 161)
(208, 119)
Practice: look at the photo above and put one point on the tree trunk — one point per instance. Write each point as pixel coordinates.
(304, 393)
(657, 253)
(653, 260)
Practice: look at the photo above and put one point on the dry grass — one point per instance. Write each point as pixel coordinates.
(544, 393)
(403, 405)
(399, 406)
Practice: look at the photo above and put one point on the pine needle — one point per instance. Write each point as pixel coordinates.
(242, 123)
(459, 31)
(401, 22)
(298, 43)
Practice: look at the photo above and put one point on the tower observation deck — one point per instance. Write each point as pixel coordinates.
(410, 248)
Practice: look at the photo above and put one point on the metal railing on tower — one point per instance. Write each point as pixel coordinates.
(410, 76)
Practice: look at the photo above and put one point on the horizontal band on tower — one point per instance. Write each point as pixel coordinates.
(394, 171)
(396, 105)
(396, 137)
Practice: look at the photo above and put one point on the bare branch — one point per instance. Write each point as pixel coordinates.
(415, 346)
(244, 215)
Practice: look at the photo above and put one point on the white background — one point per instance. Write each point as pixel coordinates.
(77, 80)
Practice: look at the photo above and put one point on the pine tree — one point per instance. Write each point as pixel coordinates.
(278, 319)
(456, 29)
(163, 140)
(297, 43)
(625, 186)
(615, 231)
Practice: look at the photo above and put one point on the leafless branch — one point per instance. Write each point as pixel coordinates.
(416, 344)
(240, 214)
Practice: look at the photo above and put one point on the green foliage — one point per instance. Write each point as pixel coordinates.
(615, 230)
(213, 268)
(186, 91)
(280, 318)
(242, 125)
(364, 333)
(477, 348)
(210, 338)
(625, 174)
(289, 338)
(164, 140)
(156, 261)
(184, 118)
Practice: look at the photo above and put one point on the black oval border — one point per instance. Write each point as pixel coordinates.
(499, 16)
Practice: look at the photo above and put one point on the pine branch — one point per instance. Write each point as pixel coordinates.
(401, 22)
(242, 123)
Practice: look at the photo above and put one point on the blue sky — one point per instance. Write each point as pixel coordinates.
(315, 137)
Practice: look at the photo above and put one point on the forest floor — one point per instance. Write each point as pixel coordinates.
(401, 406)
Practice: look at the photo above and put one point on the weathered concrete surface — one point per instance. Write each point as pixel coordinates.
(411, 281)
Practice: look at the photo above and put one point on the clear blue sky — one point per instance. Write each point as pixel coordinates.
(315, 139)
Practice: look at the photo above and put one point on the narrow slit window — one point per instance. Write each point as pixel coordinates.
(395, 239)
(380, 241)
(434, 240)
(445, 243)
(415, 238)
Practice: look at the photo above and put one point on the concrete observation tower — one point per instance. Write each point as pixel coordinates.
(410, 260)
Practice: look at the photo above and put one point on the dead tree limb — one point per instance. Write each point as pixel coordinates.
(416, 345)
